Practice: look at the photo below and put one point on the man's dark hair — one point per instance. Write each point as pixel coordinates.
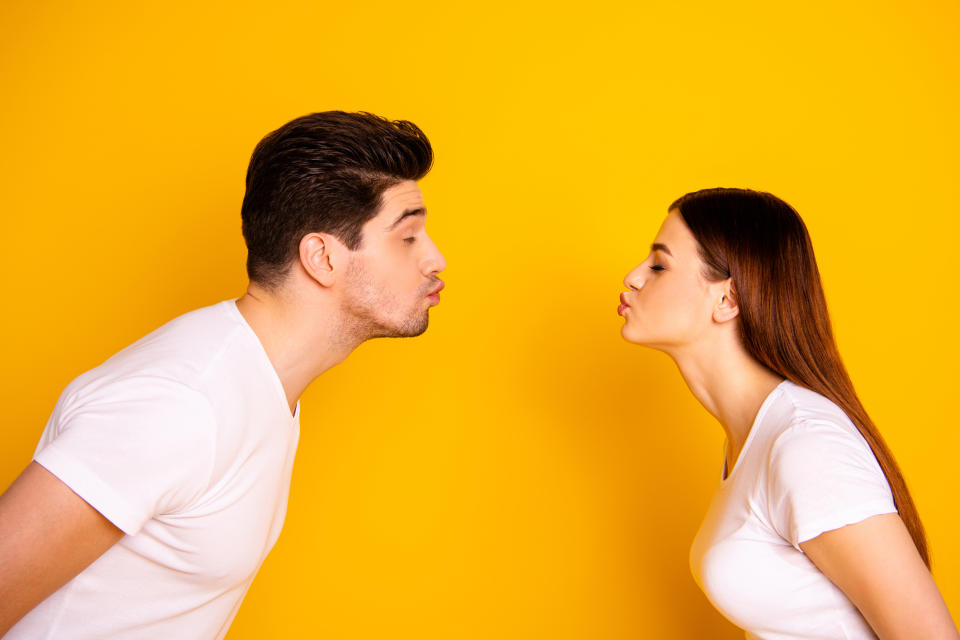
(323, 173)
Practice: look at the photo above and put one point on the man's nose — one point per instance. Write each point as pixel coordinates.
(434, 262)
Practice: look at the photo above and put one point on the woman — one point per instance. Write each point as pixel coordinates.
(812, 533)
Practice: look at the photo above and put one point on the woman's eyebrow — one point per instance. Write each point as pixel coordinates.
(656, 246)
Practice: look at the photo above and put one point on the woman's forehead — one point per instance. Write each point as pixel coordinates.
(675, 238)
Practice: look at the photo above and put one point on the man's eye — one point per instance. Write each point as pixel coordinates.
(409, 240)
(656, 267)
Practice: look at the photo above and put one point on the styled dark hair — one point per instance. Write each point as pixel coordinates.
(323, 173)
(761, 243)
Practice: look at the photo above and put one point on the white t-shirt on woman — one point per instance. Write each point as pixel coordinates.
(804, 469)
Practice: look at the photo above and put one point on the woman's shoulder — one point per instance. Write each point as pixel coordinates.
(803, 430)
(798, 410)
(810, 434)
(819, 471)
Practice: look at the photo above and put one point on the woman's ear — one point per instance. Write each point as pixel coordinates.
(726, 308)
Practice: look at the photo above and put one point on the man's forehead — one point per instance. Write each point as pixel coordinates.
(398, 203)
(402, 196)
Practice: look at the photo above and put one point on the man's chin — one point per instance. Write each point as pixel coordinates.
(416, 329)
(409, 329)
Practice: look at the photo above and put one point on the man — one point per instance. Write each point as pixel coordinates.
(160, 482)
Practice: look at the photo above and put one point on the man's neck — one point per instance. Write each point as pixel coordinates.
(302, 338)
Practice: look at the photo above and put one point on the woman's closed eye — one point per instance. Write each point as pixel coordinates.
(657, 267)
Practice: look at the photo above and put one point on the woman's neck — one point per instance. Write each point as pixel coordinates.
(731, 385)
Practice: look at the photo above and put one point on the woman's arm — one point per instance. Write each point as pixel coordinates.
(875, 563)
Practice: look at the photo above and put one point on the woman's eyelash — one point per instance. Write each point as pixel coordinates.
(656, 267)
(409, 240)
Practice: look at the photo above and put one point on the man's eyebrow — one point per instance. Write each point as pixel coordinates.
(419, 211)
(656, 246)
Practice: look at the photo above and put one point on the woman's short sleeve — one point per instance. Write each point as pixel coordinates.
(823, 476)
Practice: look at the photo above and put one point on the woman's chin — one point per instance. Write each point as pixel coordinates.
(633, 336)
(630, 334)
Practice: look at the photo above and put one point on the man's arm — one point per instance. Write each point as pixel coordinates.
(875, 563)
(48, 534)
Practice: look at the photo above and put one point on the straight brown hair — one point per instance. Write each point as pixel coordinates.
(761, 243)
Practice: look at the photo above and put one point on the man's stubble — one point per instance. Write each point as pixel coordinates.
(371, 310)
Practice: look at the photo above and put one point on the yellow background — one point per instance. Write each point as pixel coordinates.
(519, 471)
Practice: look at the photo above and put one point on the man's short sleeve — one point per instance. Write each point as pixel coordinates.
(822, 476)
(132, 448)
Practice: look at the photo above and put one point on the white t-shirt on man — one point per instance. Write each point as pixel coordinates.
(804, 469)
(184, 440)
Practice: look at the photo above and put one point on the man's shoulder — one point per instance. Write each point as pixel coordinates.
(184, 350)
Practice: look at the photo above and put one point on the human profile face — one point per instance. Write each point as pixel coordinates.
(669, 303)
(392, 277)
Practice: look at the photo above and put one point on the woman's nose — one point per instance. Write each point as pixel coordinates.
(634, 279)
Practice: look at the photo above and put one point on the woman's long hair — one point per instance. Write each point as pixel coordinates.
(762, 244)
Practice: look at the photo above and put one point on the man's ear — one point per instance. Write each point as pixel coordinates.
(319, 257)
(726, 308)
